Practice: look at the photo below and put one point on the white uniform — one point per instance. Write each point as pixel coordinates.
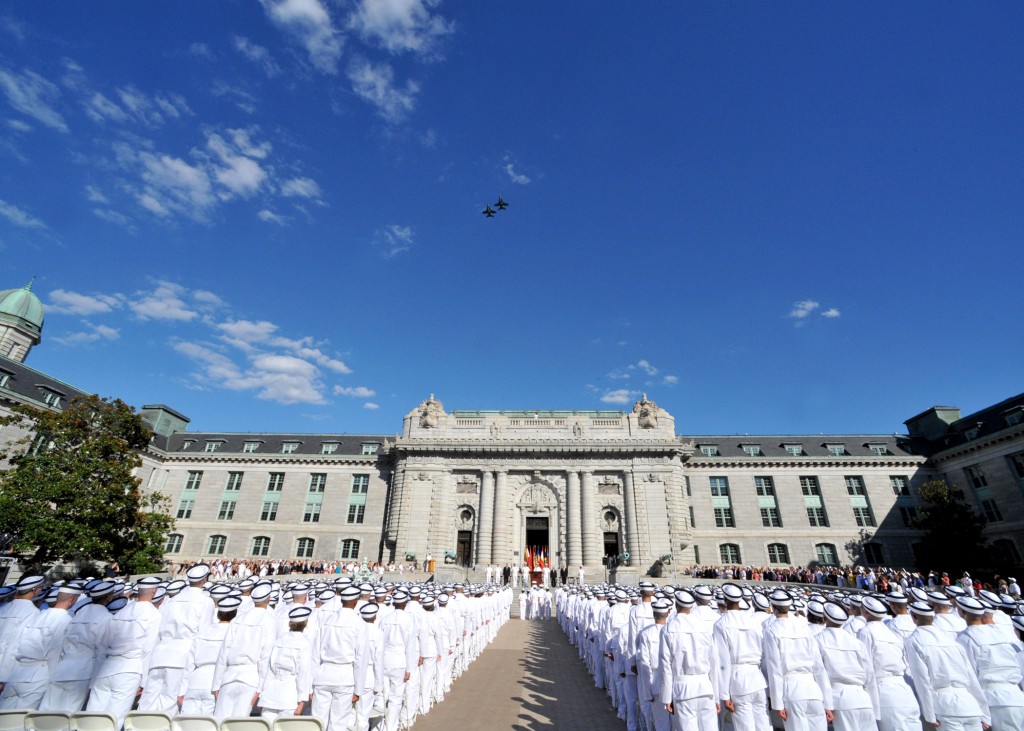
(69, 680)
(196, 687)
(340, 657)
(183, 616)
(432, 644)
(898, 709)
(401, 654)
(14, 617)
(997, 663)
(797, 680)
(851, 675)
(287, 679)
(36, 653)
(243, 657)
(653, 716)
(371, 697)
(124, 657)
(687, 663)
(947, 687)
(737, 637)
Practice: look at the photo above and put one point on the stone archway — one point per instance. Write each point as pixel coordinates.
(538, 517)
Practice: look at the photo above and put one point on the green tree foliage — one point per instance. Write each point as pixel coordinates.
(954, 534)
(70, 492)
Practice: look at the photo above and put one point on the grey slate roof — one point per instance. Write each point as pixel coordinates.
(232, 442)
(26, 383)
(987, 421)
(774, 445)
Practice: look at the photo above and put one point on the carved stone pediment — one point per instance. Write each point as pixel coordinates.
(646, 413)
(431, 411)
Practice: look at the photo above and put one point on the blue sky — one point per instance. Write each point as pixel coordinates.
(771, 217)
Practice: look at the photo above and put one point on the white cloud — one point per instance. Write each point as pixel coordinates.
(18, 217)
(398, 26)
(309, 22)
(95, 195)
(258, 55)
(244, 100)
(370, 405)
(170, 185)
(34, 96)
(375, 83)
(619, 396)
(65, 302)
(83, 337)
(394, 240)
(239, 173)
(206, 299)
(354, 391)
(163, 303)
(271, 217)
(200, 50)
(516, 177)
(300, 188)
(832, 312)
(111, 216)
(803, 309)
(670, 380)
(19, 126)
(647, 368)
(152, 111)
(100, 109)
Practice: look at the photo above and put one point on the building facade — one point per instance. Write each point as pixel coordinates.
(483, 487)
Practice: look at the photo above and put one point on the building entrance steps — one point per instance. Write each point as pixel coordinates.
(529, 678)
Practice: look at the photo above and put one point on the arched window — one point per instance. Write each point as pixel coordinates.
(350, 548)
(873, 555)
(827, 554)
(216, 545)
(730, 553)
(260, 546)
(305, 548)
(174, 541)
(778, 553)
(1007, 550)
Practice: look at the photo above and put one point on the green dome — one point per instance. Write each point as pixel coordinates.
(20, 307)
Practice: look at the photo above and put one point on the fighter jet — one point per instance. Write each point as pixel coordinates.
(501, 205)
(489, 212)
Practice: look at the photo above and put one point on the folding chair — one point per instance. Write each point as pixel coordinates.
(13, 720)
(147, 721)
(247, 723)
(86, 721)
(194, 723)
(47, 721)
(298, 723)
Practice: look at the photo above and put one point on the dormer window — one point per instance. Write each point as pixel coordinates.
(250, 447)
(837, 450)
(709, 450)
(328, 448)
(752, 450)
(1012, 419)
(879, 450)
(289, 447)
(794, 450)
(50, 398)
(971, 434)
(213, 446)
(4, 378)
(187, 444)
(369, 449)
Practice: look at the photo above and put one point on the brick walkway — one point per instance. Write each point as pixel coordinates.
(529, 678)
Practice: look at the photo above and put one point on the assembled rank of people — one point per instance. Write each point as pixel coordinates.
(690, 659)
(355, 655)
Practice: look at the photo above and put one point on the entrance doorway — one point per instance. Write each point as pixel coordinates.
(611, 548)
(537, 537)
(464, 548)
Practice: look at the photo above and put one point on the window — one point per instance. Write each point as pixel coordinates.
(696, 555)
(370, 449)
(260, 546)
(328, 448)
(873, 554)
(216, 545)
(719, 486)
(971, 434)
(827, 554)
(795, 450)
(724, 518)
(900, 485)
(1008, 550)
(4, 378)
(908, 516)
(817, 518)
(879, 450)
(730, 553)
(778, 553)
(350, 548)
(770, 518)
(1011, 419)
(50, 398)
(753, 450)
(976, 477)
(250, 447)
(234, 483)
(991, 511)
(692, 523)
(269, 511)
(275, 481)
(212, 446)
(809, 486)
(1017, 465)
(355, 513)
(855, 486)
(709, 450)
(686, 480)
(305, 548)
(864, 517)
(312, 513)
(360, 484)
(765, 486)
(174, 541)
(836, 450)
(194, 478)
(185, 509)
(187, 444)
(317, 481)
(227, 510)
(289, 447)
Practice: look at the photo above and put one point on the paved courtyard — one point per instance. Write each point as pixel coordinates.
(528, 678)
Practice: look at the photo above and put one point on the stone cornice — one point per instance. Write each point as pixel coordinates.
(978, 445)
(255, 458)
(802, 462)
(538, 446)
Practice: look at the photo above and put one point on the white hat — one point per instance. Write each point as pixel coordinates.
(197, 573)
(262, 592)
(779, 598)
(921, 609)
(28, 583)
(70, 589)
(148, 582)
(835, 613)
(350, 593)
(117, 605)
(299, 614)
(971, 605)
(369, 610)
(684, 598)
(732, 592)
(229, 603)
(326, 595)
(101, 589)
(874, 607)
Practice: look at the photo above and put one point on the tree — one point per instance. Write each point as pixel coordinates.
(70, 492)
(954, 534)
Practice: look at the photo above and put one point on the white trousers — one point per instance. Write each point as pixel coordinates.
(234, 700)
(427, 673)
(694, 714)
(394, 696)
(961, 723)
(906, 718)
(856, 719)
(751, 712)
(1010, 718)
(66, 696)
(805, 716)
(160, 693)
(114, 694)
(23, 695)
(198, 704)
(333, 705)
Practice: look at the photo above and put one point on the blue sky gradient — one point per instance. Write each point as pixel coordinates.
(772, 218)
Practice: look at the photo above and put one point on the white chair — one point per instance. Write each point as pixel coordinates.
(13, 720)
(86, 721)
(147, 721)
(247, 723)
(298, 723)
(47, 721)
(194, 723)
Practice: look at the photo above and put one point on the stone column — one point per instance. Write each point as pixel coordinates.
(485, 519)
(574, 539)
(632, 534)
(441, 517)
(588, 522)
(501, 552)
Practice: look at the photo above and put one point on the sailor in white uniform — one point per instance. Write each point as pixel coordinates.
(898, 709)
(286, 683)
(850, 673)
(244, 657)
(341, 654)
(741, 683)
(371, 700)
(996, 660)
(195, 694)
(401, 656)
(688, 670)
(653, 716)
(14, 617)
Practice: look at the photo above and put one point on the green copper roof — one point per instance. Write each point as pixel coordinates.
(22, 307)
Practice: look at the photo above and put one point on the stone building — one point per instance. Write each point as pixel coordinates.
(579, 485)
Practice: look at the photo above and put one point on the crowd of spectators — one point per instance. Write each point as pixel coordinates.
(244, 568)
